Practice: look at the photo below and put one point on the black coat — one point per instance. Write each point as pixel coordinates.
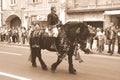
(52, 19)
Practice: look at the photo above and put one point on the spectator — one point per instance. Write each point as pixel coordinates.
(6, 34)
(92, 31)
(118, 37)
(77, 53)
(100, 36)
(24, 35)
(14, 35)
(111, 36)
(19, 35)
(2, 34)
(30, 30)
(9, 35)
(94, 45)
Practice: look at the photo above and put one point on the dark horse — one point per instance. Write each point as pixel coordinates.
(69, 34)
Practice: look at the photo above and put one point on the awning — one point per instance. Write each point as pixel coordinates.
(113, 12)
(93, 19)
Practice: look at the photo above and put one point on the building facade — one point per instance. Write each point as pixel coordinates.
(98, 13)
(17, 13)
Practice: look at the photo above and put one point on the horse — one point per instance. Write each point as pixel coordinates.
(70, 33)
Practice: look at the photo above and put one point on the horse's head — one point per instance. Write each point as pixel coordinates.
(77, 32)
(83, 33)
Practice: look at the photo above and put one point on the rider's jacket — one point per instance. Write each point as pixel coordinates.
(52, 19)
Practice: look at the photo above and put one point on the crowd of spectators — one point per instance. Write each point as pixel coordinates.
(101, 37)
(18, 35)
(96, 42)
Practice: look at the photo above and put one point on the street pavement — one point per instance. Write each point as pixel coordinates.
(14, 65)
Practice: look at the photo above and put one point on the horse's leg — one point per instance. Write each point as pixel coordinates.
(33, 54)
(44, 66)
(70, 61)
(60, 55)
(54, 65)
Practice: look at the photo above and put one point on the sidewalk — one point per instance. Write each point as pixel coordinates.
(108, 54)
(15, 44)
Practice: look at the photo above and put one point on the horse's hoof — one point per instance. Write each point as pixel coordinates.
(53, 70)
(72, 71)
(45, 68)
(34, 66)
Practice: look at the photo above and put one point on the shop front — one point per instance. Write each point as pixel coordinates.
(112, 16)
(38, 20)
(95, 19)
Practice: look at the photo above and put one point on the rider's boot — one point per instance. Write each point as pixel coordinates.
(53, 46)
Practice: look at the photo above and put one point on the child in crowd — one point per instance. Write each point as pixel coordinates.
(100, 36)
(77, 54)
(94, 45)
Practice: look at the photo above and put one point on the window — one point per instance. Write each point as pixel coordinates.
(34, 1)
(92, 2)
(101, 2)
(81, 3)
(76, 2)
(13, 2)
(52, 0)
(116, 1)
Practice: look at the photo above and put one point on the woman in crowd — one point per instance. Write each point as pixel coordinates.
(118, 38)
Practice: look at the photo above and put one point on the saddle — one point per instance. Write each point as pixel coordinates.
(52, 32)
(34, 39)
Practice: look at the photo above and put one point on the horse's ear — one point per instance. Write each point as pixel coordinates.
(78, 30)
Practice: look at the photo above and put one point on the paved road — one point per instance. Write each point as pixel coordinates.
(14, 65)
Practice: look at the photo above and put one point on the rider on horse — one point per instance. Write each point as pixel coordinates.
(53, 21)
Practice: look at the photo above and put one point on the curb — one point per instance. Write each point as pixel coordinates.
(27, 45)
(15, 44)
